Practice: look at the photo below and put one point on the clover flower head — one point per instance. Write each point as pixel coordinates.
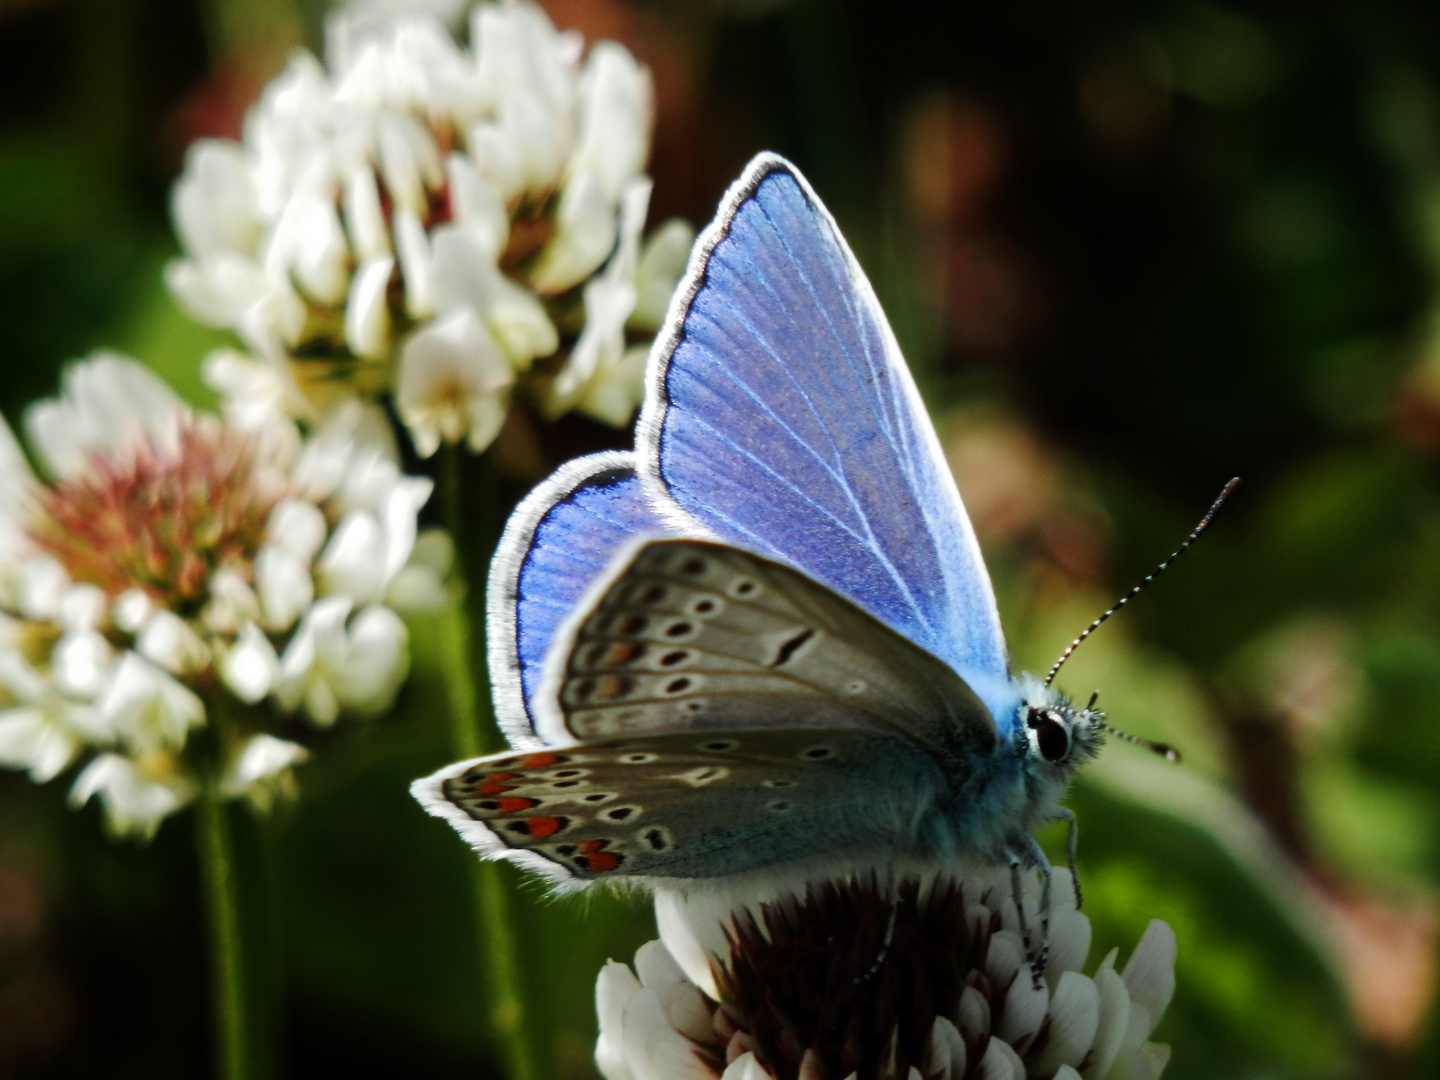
(437, 223)
(164, 561)
(869, 978)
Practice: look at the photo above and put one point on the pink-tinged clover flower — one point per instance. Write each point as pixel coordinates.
(163, 561)
(446, 225)
(858, 977)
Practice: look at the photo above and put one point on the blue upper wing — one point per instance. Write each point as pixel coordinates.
(558, 541)
(779, 415)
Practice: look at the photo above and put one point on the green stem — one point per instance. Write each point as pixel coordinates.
(471, 735)
(222, 909)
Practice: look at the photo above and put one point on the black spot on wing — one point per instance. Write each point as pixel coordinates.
(789, 648)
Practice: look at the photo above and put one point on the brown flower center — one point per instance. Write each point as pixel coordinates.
(158, 518)
(818, 976)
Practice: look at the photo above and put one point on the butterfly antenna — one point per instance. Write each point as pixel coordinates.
(1194, 535)
(1169, 753)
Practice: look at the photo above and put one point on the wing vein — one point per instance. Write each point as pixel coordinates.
(923, 616)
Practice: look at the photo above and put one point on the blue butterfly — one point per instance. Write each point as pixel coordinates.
(767, 636)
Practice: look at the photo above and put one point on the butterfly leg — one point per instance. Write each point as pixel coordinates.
(1038, 861)
(1068, 816)
(1026, 861)
(884, 945)
(1031, 856)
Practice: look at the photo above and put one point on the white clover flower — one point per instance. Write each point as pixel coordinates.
(418, 219)
(264, 771)
(925, 979)
(137, 794)
(338, 663)
(41, 730)
(164, 556)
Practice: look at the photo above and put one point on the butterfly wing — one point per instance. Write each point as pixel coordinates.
(779, 415)
(689, 804)
(695, 635)
(558, 541)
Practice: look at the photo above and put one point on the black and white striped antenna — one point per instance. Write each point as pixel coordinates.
(1165, 750)
(1194, 535)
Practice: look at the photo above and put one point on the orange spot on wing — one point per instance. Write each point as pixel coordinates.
(493, 789)
(539, 761)
(613, 687)
(515, 805)
(622, 652)
(541, 827)
(589, 847)
(604, 862)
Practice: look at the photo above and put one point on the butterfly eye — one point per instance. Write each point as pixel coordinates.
(1050, 734)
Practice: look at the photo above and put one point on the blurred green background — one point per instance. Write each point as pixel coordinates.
(1130, 248)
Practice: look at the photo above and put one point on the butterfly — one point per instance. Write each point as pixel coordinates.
(766, 636)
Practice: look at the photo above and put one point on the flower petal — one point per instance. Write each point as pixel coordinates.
(973, 1016)
(146, 708)
(478, 206)
(131, 609)
(613, 990)
(682, 1003)
(367, 310)
(1074, 1020)
(1150, 973)
(409, 162)
(263, 770)
(1005, 958)
(615, 109)
(41, 588)
(609, 300)
(584, 235)
(81, 662)
(1070, 934)
(453, 384)
(109, 403)
(692, 929)
(417, 264)
(232, 603)
(169, 641)
(745, 1067)
(663, 260)
(364, 218)
(1024, 1010)
(284, 586)
(214, 203)
(1000, 1062)
(618, 390)
(653, 1049)
(31, 740)
(1113, 1021)
(134, 803)
(945, 1056)
(465, 276)
(376, 662)
(318, 255)
(298, 526)
(353, 562)
(250, 666)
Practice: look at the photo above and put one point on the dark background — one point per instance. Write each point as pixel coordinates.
(1130, 249)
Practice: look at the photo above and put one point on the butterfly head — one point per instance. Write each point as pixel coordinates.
(1063, 735)
(1056, 732)
(1059, 734)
